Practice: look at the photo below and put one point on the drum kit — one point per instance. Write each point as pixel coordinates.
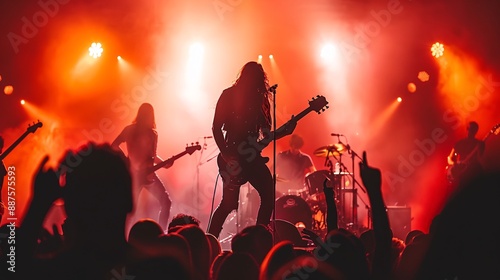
(306, 207)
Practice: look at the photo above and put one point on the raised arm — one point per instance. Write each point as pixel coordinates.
(372, 180)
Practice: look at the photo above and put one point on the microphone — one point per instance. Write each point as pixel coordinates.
(273, 88)
(208, 137)
(337, 134)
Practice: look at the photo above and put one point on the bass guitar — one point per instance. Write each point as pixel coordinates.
(455, 171)
(145, 173)
(31, 129)
(249, 152)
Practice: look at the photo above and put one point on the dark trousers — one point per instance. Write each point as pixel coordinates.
(157, 189)
(260, 178)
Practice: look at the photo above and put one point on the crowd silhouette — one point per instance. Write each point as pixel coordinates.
(94, 244)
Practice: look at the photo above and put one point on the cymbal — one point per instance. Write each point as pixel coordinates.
(332, 149)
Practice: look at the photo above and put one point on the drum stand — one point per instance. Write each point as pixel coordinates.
(337, 177)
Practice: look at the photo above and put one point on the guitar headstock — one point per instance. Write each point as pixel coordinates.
(193, 148)
(318, 104)
(496, 129)
(33, 127)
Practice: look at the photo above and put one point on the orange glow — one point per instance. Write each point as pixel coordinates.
(23, 102)
(466, 89)
(8, 90)
(383, 117)
(423, 76)
(412, 87)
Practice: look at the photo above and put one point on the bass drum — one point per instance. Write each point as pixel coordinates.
(295, 210)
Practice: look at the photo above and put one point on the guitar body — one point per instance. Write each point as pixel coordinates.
(455, 172)
(235, 172)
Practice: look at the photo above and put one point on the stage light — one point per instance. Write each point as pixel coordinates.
(412, 87)
(0, 78)
(437, 50)
(8, 90)
(399, 99)
(196, 50)
(329, 52)
(95, 50)
(119, 57)
(271, 56)
(23, 102)
(194, 65)
(423, 76)
(260, 56)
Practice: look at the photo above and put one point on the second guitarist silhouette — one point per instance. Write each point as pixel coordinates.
(141, 139)
(464, 157)
(243, 113)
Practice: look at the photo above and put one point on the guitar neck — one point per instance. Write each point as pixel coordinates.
(14, 145)
(171, 159)
(474, 151)
(266, 141)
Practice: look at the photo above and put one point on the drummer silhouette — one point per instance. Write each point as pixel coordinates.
(291, 167)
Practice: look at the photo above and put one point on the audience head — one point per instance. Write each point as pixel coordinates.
(97, 190)
(215, 247)
(183, 219)
(199, 247)
(238, 266)
(255, 240)
(214, 268)
(279, 255)
(144, 232)
(411, 235)
(345, 251)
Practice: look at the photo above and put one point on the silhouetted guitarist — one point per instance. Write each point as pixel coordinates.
(243, 113)
(463, 160)
(141, 139)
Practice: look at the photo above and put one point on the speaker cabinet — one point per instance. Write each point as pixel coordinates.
(400, 220)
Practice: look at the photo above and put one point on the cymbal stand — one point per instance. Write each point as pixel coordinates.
(356, 183)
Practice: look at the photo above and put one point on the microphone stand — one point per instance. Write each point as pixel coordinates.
(273, 91)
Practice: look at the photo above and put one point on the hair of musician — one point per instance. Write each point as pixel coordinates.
(473, 127)
(296, 141)
(252, 78)
(145, 116)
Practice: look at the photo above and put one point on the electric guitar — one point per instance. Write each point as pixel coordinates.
(31, 129)
(144, 174)
(248, 152)
(455, 171)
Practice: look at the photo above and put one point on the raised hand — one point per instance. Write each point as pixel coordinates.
(371, 177)
(46, 187)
